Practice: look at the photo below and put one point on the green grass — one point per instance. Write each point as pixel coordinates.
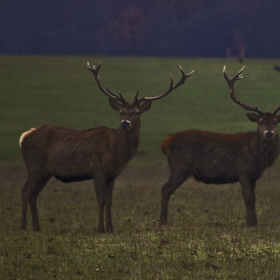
(206, 237)
(61, 91)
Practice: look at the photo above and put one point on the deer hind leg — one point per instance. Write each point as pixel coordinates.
(174, 182)
(29, 193)
(99, 181)
(108, 204)
(24, 204)
(248, 192)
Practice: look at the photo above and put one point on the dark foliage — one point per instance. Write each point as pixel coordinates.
(158, 28)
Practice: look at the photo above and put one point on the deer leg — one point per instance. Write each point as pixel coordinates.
(24, 204)
(248, 192)
(99, 181)
(173, 183)
(30, 191)
(33, 203)
(108, 204)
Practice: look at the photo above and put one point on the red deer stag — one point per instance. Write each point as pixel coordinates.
(72, 155)
(219, 158)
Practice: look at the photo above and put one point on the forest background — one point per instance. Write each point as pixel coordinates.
(193, 28)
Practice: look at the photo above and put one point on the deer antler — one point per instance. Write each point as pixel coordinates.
(171, 88)
(234, 97)
(110, 94)
(276, 110)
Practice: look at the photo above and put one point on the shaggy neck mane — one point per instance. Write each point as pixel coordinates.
(266, 152)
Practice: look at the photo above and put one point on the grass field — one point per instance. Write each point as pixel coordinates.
(206, 237)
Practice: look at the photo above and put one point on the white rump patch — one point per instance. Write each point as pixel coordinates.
(24, 134)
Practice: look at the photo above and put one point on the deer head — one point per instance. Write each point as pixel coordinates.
(267, 121)
(130, 113)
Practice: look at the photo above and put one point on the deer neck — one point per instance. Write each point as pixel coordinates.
(266, 151)
(127, 143)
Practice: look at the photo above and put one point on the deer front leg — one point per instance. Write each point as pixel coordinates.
(108, 204)
(248, 192)
(99, 181)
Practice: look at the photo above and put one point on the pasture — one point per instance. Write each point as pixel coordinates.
(206, 236)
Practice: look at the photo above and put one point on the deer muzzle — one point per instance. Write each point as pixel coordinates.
(269, 135)
(125, 124)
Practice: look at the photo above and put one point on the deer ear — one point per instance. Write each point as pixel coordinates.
(115, 104)
(253, 117)
(145, 106)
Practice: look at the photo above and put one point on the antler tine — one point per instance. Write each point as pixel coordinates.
(237, 77)
(136, 96)
(276, 110)
(171, 87)
(122, 99)
(233, 95)
(110, 94)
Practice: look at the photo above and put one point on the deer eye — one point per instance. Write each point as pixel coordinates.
(137, 112)
(121, 112)
(260, 121)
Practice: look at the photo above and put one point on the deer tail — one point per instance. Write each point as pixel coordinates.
(23, 135)
(165, 147)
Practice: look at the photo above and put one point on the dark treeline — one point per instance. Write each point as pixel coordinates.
(141, 27)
